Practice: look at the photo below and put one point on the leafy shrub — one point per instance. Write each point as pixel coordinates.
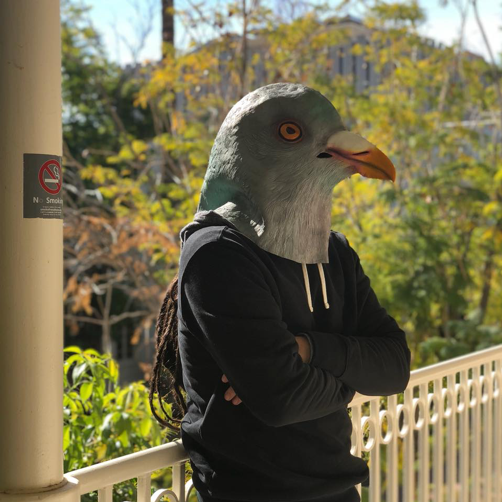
(104, 421)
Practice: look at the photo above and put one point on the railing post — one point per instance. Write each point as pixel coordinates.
(31, 251)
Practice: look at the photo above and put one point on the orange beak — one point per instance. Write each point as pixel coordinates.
(362, 155)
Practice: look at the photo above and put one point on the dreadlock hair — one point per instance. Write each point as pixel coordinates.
(168, 357)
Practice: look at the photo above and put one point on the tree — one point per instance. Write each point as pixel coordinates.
(137, 142)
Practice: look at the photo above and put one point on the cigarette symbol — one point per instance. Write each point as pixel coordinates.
(53, 180)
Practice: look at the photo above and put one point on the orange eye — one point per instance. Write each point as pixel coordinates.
(290, 131)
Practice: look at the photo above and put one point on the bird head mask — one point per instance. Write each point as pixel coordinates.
(274, 163)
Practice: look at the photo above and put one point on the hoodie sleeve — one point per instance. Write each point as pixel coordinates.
(376, 359)
(229, 307)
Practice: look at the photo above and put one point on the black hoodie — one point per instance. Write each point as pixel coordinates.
(239, 309)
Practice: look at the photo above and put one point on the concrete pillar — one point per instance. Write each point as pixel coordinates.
(31, 250)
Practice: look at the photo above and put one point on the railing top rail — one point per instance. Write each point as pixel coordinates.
(442, 369)
(129, 466)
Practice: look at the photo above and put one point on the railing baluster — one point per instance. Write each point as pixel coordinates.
(375, 471)
(438, 457)
(105, 494)
(392, 466)
(357, 435)
(476, 434)
(179, 480)
(409, 454)
(487, 432)
(144, 490)
(424, 445)
(498, 433)
(451, 447)
(464, 439)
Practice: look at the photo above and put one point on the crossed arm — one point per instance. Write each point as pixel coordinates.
(304, 349)
(376, 361)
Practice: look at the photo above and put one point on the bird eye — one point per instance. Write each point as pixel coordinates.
(290, 132)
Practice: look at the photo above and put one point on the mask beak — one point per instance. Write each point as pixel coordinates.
(360, 154)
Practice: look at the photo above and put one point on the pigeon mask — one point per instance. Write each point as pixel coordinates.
(274, 163)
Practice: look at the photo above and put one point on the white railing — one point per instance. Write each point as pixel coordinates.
(140, 465)
(461, 417)
(465, 429)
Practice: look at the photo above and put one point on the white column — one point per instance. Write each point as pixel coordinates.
(31, 253)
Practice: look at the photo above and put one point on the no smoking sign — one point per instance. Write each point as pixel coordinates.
(42, 183)
(49, 177)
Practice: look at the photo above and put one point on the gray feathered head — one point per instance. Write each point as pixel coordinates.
(275, 161)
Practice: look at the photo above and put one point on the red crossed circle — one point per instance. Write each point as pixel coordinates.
(46, 169)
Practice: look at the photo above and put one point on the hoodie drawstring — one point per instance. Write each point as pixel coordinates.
(307, 286)
(323, 285)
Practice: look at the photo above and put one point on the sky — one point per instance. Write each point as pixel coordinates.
(120, 21)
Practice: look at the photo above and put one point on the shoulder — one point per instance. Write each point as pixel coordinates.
(219, 262)
(343, 249)
(339, 239)
(217, 243)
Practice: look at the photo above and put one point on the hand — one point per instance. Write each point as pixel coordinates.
(230, 394)
(303, 348)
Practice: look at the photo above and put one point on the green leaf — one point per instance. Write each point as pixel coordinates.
(71, 404)
(86, 390)
(66, 437)
(124, 439)
(92, 352)
(68, 362)
(107, 421)
(78, 371)
(145, 426)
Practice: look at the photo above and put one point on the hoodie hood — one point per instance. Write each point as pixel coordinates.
(211, 218)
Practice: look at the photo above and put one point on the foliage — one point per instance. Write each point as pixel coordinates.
(103, 420)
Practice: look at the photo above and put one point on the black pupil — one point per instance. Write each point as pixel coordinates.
(290, 130)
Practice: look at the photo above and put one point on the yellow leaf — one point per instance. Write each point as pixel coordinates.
(113, 368)
(101, 451)
(491, 208)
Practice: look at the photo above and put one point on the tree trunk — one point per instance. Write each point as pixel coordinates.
(487, 283)
(106, 343)
(244, 50)
(167, 25)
